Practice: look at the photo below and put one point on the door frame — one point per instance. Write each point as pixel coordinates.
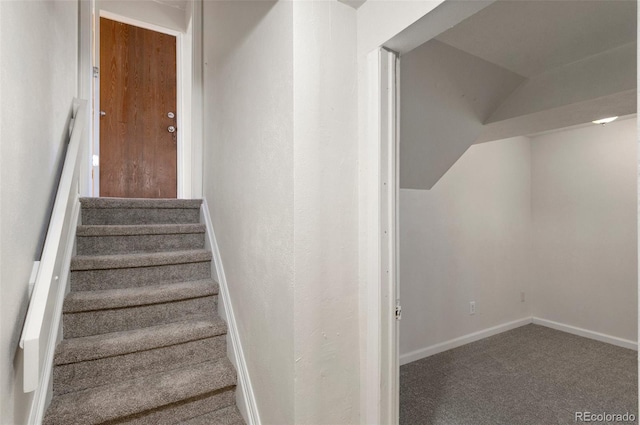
(183, 100)
(381, 370)
(379, 159)
(86, 11)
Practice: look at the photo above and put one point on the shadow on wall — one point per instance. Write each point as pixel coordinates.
(16, 351)
(453, 93)
(239, 23)
(44, 227)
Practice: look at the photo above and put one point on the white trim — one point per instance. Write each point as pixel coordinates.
(180, 122)
(136, 23)
(32, 278)
(67, 188)
(609, 339)
(197, 100)
(421, 353)
(183, 55)
(250, 407)
(390, 409)
(375, 379)
(95, 102)
(380, 378)
(372, 375)
(42, 393)
(412, 356)
(85, 87)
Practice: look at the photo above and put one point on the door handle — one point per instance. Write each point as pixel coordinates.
(103, 113)
(171, 129)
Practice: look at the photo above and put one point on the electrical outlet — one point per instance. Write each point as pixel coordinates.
(522, 297)
(472, 307)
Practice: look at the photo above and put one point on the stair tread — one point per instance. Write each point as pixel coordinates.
(95, 373)
(126, 398)
(139, 203)
(225, 416)
(78, 301)
(139, 229)
(117, 343)
(120, 261)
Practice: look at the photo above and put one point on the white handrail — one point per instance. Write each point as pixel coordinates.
(31, 332)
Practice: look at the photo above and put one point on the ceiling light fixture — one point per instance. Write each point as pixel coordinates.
(604, 121)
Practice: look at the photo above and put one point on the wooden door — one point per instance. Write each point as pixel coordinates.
(138, 153)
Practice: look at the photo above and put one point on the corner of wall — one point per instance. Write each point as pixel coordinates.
(245, 397)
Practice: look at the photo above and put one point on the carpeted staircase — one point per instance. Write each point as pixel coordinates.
(143, 343)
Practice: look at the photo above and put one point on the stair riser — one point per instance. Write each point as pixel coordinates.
(226, 416)
(130, 244)
(129, 399)
(88, 374)
(114, 216)
(178, 412)
(88, 323)
(93, 280)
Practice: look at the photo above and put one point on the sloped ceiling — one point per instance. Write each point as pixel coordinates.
(446, 96)
(576, 61)
(532, 37)
(353, 3)
(178, 4)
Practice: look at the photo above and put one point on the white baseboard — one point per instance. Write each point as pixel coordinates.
(245, 398)
(465, 339)
(43, 393)
(620, 342)
(485, 333)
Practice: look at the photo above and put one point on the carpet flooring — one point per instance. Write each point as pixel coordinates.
(143, 343)
(527, 376)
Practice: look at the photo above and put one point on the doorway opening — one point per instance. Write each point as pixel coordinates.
(138, 112)
(498, 229)
(145, 114)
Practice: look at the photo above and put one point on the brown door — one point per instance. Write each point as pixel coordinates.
(138, 152)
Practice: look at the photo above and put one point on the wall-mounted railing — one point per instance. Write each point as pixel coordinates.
(41, 323)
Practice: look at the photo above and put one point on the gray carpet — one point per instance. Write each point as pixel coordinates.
(528, 376)
(143, 343)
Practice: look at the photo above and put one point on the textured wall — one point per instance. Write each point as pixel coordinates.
(38, 67)
(147, 11)
(557, 220)
(248, 183)
(446, 96)
(584, 187)
(325, 214)
(281, 181)
(467, 239)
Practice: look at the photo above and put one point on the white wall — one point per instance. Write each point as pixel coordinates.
(609, 72)
(281, 182)
(148, 11)
(38, 79)
(177, 20)
(584, 221)
(248, 183)
(327, 387)
(381, 20)
(554, 216)
(467, 239)
(447, 95)
(377, 22)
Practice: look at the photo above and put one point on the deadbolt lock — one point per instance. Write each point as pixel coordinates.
(171, 115)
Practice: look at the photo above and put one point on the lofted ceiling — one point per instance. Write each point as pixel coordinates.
(533, 37)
